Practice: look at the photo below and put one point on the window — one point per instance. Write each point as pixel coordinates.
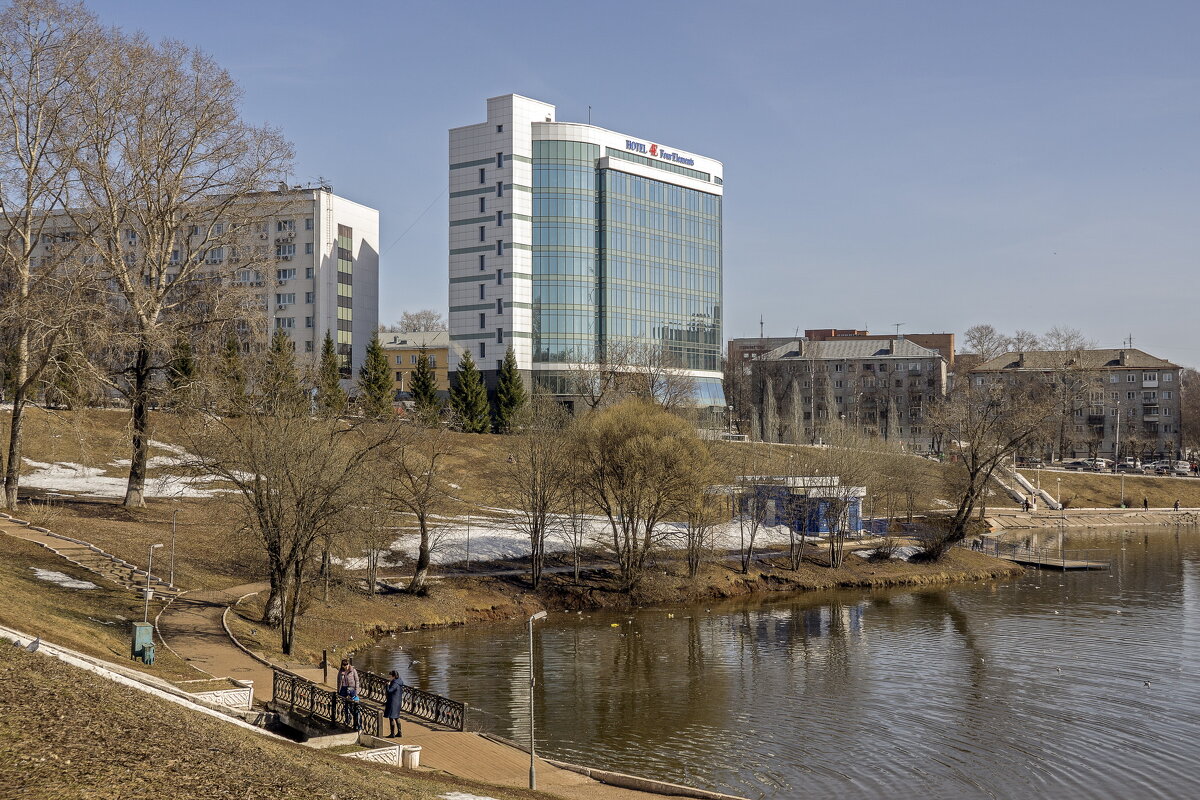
(1131, 395)
(1131, 378)
(499, 189)
(482, 205)
(285, 250)
(499, 129)
(1150, 376)
(285, 274)
(308, 322)
(285, 322)
(308, 224)
(218, 228)
(432, 360)
(499, 247)
(499, 364)
(399, 377)
(499, 219)
(308, 346)
(499, 160)
(482, 350)
(482, 320)
(837, 385)
(482, 233)
(285, 226)
(499, 276)
(308, 248)
(837, 367)
(482, 175)
(310, 297)
(1113, 378)
(499, 335)
(285, 299)
(481, 290)
(482, 265)
(499, 306)
(193, 230)
(308, 272)
(1167, 377)
(1166, 411)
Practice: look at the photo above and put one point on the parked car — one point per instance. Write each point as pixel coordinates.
(1131, 468)
(1080, 464)
(1030, 463)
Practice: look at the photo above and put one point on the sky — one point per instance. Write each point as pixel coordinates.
(936, 164)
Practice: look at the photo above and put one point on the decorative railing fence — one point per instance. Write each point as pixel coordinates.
(423, 705)
(307, 697)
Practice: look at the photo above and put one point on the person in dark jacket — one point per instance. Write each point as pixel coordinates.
(391, 709)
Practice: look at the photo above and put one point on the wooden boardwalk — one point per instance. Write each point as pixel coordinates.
(1050, 561)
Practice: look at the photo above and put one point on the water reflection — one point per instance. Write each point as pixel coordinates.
(1034, 686)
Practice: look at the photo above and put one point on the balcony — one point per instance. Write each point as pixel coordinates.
(1096, 420)
(1150, 414)
(1149, 384)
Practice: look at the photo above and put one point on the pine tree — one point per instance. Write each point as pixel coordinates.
(282, 380)
(510, 392)
(375, 382)
(331, 397)
(181, 370)
(235, 374)
(468, 397)
(423, 387)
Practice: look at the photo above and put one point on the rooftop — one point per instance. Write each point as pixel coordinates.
(1040, 360)
(426, 339)
(849, 349)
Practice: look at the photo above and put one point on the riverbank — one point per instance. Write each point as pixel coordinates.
(350, 620)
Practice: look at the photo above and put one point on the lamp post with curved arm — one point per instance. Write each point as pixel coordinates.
(532, 773)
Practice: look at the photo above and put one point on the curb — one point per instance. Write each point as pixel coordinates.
(234, 639)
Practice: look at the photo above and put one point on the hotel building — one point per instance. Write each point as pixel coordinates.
(569, 241)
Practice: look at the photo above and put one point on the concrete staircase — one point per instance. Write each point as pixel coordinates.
(87, 555)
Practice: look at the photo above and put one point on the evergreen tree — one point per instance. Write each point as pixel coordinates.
(281, 379)
(235, 374)
(375, 382)
(468, 397)
(181, 371)
(331, 397)
(423, 388)
(510, 392)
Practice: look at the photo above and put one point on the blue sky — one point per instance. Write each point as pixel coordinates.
(1025, 164)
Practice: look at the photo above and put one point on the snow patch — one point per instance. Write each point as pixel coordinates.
(900, 553)
(66, 476)
(62, 579)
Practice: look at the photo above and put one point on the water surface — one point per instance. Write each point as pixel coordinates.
(1030, 687)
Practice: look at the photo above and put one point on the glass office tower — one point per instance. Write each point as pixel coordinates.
(574, 244)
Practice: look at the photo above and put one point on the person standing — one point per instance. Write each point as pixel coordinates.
(1145, 504)
(391, 709)
(1176, 505)
(347, 686)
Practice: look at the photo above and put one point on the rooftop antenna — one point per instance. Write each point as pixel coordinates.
(760, 327)
(897, 325)
(589, 115)
(1129, 342)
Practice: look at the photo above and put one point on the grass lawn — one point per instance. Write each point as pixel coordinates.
(68, 734)
(1103, 490)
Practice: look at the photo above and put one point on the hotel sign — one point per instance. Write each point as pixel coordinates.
(654, 151)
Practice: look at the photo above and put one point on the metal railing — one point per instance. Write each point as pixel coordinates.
(306, 697)
(423, 705)
(1044, 556)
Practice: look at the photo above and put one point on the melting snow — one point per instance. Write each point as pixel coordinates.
(62, 579)
(66, 476)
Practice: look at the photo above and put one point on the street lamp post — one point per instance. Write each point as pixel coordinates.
(149, 565)
(532, 772)
(171, 580)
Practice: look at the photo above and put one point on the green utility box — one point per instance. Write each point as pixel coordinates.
(143, 642)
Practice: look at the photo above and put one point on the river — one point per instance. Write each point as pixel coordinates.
(1035, 686)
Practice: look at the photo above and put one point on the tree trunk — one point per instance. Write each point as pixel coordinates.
(417, 584)
(12, 470)
(139, 403)
(273, 609)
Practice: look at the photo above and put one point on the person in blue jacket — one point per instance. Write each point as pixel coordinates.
(391, 709)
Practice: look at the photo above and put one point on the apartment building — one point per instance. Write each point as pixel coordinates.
(404, 352)
(1115, 402)
(880, 387)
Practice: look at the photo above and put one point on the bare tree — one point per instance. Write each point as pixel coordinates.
(410, 474)
(985, 341)
(572, 524)
(1024, 341)
(1189, 409)
(427, 319)
(46, 49)
(297, 478)
(171, 181)
(639, 465)
(631, 369)
(984, 423)
(536, 478)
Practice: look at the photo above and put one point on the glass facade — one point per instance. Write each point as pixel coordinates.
(618, 258)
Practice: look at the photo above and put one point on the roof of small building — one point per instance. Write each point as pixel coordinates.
(849, 349)
(1041, 360)
(430, 340)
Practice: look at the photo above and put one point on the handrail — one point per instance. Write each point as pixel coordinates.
(307, 697)
(416, 702)
(1048, 556)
